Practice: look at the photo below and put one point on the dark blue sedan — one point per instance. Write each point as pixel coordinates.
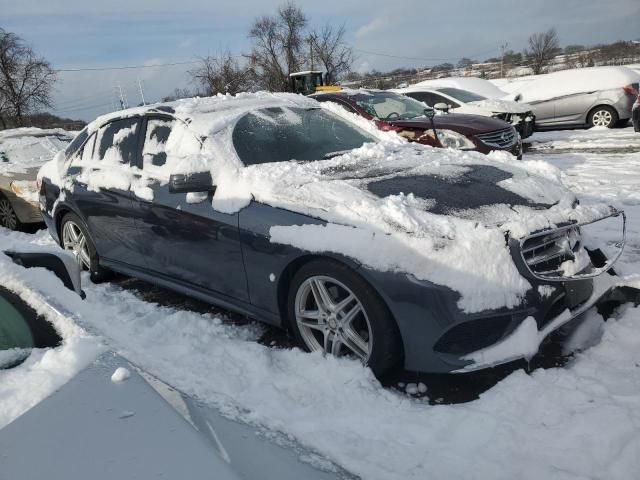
(359, 243)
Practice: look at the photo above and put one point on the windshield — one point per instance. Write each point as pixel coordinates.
(389, 106)
(462, 95)
(279, 134)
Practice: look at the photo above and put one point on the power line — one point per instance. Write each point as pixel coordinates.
(423, 59)
(83, 108)
(380, 54)
(127, 67)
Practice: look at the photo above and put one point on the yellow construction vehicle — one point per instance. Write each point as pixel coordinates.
(310, 81)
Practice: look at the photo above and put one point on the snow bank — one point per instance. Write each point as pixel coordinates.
(537, 88)
(573, 422)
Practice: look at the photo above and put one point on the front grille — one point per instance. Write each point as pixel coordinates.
(503, 138)
(545, 254)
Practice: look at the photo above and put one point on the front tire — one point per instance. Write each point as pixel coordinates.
(603, 116)
(334, 310)
(75, 239)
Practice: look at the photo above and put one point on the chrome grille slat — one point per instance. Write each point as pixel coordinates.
(500, 138)
(545, 253)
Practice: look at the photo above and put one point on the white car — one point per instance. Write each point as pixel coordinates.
(520, 115)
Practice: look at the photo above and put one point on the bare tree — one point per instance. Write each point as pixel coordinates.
(292, 22)
(542, 49)
(25, 78)
(277, 49)
(329, 47)
(221, 74)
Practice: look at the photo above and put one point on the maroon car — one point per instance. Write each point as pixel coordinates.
(415, 121)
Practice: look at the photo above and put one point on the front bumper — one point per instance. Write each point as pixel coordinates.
(524, 342)
(26, 211)
(561, 297)
(439, 337)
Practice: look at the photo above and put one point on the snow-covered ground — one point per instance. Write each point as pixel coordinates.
(578, 421)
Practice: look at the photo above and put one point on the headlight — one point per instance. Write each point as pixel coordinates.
(25, 189)
(451, 139)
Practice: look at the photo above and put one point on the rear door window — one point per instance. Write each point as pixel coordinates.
(154, 152)
(117, 141)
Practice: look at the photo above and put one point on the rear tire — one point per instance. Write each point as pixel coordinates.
(8, 217)
(350, 319)
(75, 239)
(603, 116)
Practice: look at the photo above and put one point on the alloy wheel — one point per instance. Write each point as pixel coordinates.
(602, 118)
(8, 216)
(330, 318)
(74, 240)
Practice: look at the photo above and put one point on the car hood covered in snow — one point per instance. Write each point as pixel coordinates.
(439, 215)
(507, 106)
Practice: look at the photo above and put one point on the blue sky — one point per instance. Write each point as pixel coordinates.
(77, 33)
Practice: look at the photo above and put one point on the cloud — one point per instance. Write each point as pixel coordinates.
(371, 27)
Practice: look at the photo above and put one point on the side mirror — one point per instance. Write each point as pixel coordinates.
(191, 182)
(442, 106)
(429, 112)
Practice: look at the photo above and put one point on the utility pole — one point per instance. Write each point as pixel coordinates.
(503, 47)
(141, 92)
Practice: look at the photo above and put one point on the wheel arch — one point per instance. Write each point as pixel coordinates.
(287, 274)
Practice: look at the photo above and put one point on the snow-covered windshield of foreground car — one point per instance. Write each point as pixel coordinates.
(279, 134)
(390, 106)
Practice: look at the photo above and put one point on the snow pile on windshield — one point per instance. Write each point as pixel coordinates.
(536, 88)
(23, 148)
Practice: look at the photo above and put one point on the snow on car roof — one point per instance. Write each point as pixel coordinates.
(207, 115)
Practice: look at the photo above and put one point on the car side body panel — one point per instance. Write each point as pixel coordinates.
(190, 241)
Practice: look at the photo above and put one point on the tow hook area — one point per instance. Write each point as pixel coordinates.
(615, 297)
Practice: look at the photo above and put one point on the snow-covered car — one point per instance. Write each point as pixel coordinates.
(594, 97)
(409, 118)
(459, 100)
(22, 152)
(116, 419)
(308, 217)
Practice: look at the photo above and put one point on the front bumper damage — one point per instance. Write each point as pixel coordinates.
(572, 296)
